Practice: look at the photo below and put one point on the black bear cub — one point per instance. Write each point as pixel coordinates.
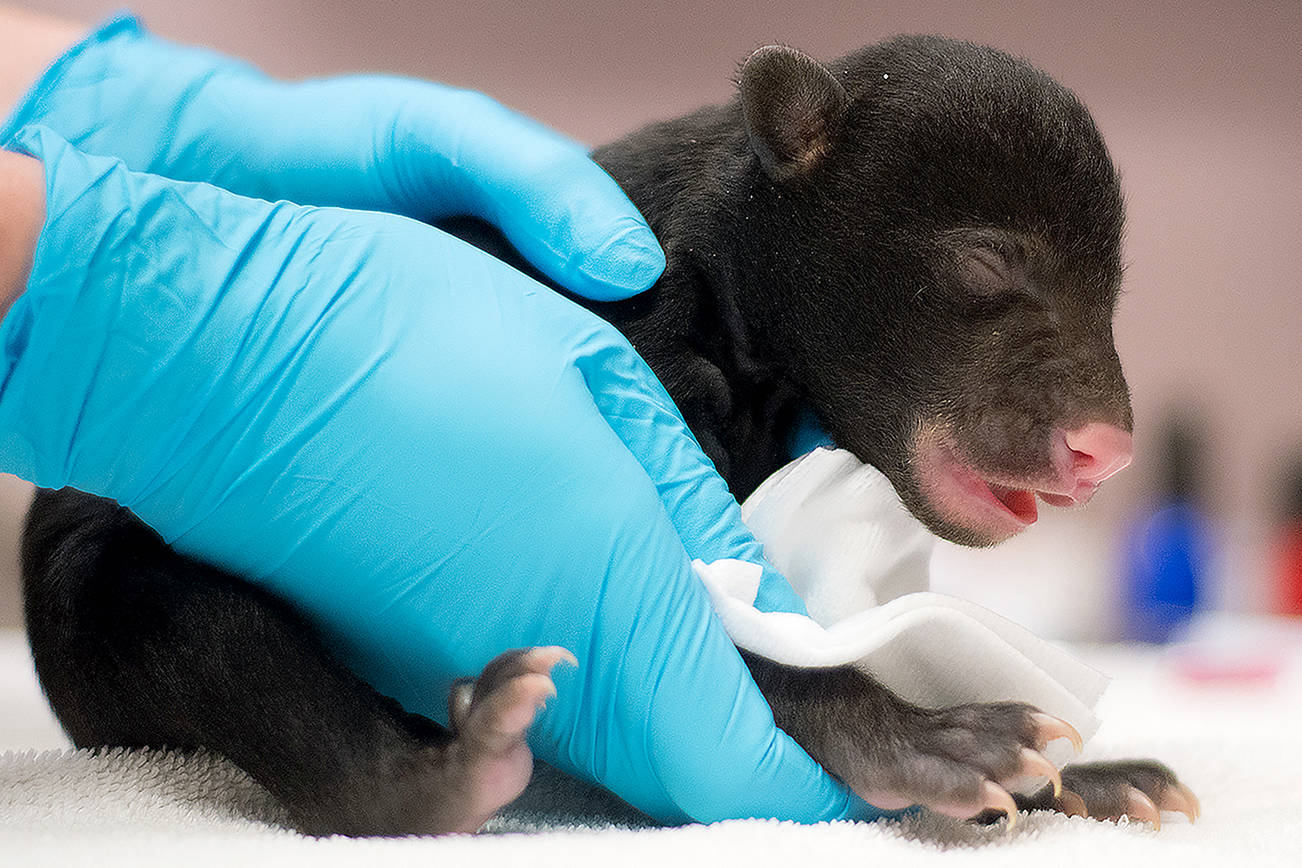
(918, 243)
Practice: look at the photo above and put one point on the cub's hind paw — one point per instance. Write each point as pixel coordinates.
(1139, 789)
(494, 710)
(488, 763)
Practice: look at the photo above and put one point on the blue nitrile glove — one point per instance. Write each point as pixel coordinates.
(376, 142)
(432, 456)
(807, 435)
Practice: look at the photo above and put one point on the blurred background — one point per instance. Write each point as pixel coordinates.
(1201, 105)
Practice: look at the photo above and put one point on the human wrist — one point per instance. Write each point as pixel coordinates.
(22, 190)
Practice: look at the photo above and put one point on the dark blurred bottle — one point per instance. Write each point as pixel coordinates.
(1288, 547)
(1168, 547)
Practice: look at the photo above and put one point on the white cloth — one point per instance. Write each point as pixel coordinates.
(837, 530)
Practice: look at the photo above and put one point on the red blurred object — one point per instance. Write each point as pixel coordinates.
(1208, 671)
(1288, 569)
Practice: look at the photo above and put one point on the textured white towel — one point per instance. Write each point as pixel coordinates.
(838, 531)
(1235, 746)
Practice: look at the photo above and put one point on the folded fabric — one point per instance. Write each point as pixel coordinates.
(859, 559)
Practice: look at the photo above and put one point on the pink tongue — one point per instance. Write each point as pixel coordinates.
(1057, 499)
(1020, 503)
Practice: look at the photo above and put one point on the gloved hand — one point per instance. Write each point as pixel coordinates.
(380, 143)
(432, 456)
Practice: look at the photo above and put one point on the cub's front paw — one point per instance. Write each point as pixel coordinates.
(894, 754)
(956, 761)
(1139, 789)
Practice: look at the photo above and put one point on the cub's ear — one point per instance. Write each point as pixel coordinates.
(793, 106)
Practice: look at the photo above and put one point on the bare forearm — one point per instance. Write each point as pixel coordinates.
(22, 213)
(29, 43)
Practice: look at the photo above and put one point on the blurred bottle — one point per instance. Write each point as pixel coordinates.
(1168, 547)
(1288, 547)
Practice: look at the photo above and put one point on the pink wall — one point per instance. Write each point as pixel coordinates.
(1201, 103)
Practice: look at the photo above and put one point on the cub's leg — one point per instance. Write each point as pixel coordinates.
(954, 760)
(138, 646)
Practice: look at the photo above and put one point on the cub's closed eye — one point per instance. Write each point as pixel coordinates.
(985, 272)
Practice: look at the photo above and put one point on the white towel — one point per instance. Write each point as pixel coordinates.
(1234, 745)
(837, 530)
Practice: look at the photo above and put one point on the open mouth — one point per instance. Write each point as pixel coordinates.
(1019, 502)
(992, 505)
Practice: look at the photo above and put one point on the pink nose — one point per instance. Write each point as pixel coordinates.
(1098, 451)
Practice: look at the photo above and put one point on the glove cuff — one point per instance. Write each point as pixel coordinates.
(90, 52)
(73, 354)
(121, 92)
(120, 325)
(190, 114)
(43, 367)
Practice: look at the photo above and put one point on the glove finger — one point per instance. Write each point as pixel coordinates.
(555, 205)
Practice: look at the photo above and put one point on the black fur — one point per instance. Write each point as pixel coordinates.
(921, 237)
(139, 647)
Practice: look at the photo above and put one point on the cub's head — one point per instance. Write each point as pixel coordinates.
(936, 269)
